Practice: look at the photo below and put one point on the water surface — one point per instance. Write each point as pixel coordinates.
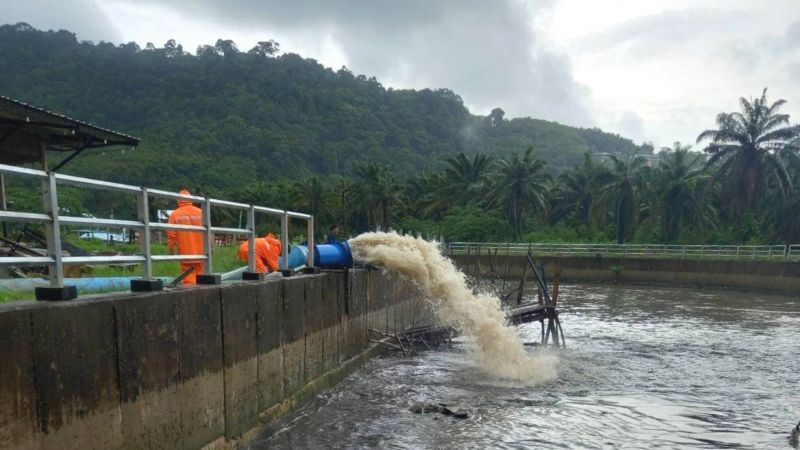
(646, 368)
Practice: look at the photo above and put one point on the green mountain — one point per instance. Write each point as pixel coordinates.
(227, 117)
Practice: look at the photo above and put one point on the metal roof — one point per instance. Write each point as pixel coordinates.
(57, 131)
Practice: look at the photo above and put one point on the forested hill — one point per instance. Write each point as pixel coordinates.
(226, 117)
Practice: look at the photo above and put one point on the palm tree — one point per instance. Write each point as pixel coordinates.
(519, 188)
(311, 195)
(678, 194)
(622, 186)
(378, 192)
(344, 189)
(428, 195)
(745, 148)
(578, 190)
(465, 177)
(787, 215)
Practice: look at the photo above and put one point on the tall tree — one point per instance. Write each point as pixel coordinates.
(744, 149)
(622, 188)
(378, 193)
(265, 48)
(679, 195)
(519, 188)
(578, 190)
(465, 178)
(344, 188)
(310, 195)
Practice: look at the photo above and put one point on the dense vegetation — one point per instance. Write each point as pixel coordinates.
(224, 118)
(744, 188)
(287, 132)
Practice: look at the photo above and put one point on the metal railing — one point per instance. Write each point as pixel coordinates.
(648, 250)
(53, 221)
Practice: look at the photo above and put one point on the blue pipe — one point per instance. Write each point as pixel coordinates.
(83, 284)
(336, 254)
(298, 256)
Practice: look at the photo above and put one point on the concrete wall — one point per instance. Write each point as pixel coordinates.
(192, 368)
(773, 276)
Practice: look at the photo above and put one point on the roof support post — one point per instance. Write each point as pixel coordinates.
(69, 158)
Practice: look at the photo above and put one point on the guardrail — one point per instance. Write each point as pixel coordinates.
(53, 221)
(648, 250)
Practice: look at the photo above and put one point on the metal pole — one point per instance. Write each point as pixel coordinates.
(251, 239)
(285, 240)
(208, 238)
(53, 231)
(3, 201)
(144, 239)
(310, 259)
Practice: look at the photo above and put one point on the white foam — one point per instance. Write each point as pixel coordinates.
(496, 347)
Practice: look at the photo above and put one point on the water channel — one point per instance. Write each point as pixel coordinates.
(646, 367)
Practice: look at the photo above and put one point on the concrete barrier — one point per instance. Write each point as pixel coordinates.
(206, 367)
(773, 276)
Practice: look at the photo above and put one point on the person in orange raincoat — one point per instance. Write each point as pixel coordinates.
(187, 242)
(268, 250)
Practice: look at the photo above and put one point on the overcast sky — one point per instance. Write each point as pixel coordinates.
(656, 70)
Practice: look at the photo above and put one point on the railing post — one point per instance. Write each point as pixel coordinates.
(143, 209)
(56, 290)
(53, 230)
(208, 236)
(147, 283)
(285, 241)
(251, 239)
(310, 232)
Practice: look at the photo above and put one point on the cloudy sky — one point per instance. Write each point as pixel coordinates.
(656, 70)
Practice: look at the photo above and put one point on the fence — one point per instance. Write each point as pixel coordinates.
(647, 250)
(53, 221)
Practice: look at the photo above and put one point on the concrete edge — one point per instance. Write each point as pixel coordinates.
(318, 385)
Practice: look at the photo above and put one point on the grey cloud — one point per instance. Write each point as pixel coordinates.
(82, 17)
(793, 33)
(658, 33)
(766, 50)
(630, 125)
(486, 52)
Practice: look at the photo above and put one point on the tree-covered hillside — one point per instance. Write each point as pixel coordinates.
(227, 117)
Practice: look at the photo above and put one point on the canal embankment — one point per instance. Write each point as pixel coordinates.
(207, 367)
(776, 276)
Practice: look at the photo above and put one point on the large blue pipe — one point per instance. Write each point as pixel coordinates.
(333, 255)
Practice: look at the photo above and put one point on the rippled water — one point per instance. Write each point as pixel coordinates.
(646, 368)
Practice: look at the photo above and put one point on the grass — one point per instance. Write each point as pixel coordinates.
(224, 259)
(15, 296)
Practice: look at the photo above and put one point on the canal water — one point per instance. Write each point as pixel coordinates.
(646, 367)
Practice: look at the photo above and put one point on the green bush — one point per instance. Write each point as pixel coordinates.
(475, 224)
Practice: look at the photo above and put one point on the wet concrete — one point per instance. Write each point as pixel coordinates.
(202, 367)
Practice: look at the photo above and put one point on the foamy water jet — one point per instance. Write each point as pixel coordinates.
(497, 348)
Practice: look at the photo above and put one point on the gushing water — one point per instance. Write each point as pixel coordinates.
(497, 348)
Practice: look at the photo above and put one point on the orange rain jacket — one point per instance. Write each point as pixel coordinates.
(187, 242)
(268, 250)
